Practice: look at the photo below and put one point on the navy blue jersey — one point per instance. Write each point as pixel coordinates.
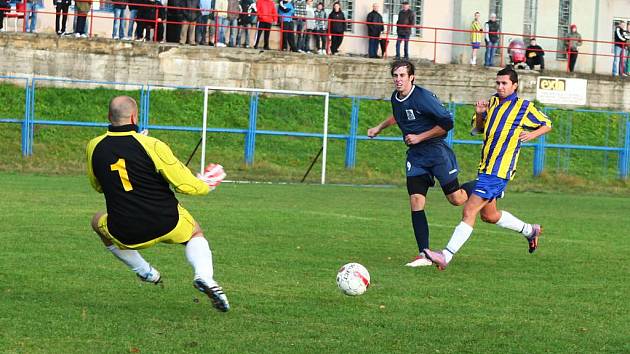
(420, 111)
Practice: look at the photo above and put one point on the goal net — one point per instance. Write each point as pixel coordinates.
(311, 103)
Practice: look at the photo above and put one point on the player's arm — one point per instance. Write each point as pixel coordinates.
(372, 132)
(90, 172)
(173, 170)
(479, 117)
(435, 111)
(536, 124)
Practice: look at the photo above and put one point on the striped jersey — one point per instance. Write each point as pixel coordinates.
(476, 34)
(503, 123)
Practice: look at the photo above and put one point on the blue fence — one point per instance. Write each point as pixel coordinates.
(621, 148)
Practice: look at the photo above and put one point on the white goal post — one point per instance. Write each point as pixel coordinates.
(326, 96)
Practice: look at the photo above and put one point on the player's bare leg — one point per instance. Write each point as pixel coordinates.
(131, 258)
(457, 198)
(461, 234)
(531, 232)
(200, 258)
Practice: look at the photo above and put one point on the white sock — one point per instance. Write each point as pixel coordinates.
(200, 258)
(460, 236)
(132, 259)
(511, 222)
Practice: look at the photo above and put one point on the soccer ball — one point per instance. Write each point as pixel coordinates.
(353, 279)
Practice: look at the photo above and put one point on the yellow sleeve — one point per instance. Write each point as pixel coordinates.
(534, 118)
(175, 172)
(89, 150)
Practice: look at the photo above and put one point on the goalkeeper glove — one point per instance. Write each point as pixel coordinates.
(212, 175)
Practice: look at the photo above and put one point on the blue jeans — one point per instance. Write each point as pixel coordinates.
(373, 47)
(132, 17)
(491, 50)
(222, 23)
(118, 30)
(243, 32)
(618, 67)
(233, 31)
(31, 9)
(201, 29)
(401, 38)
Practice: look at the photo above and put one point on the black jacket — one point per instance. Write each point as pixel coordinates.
(337, 26)
(405, 18)
(189, 14)
(375, 30)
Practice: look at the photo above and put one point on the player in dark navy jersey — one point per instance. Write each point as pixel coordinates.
(424, 122)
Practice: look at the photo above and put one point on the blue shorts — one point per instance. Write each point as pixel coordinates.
(436, 160)
(489, 187)
(476, 45)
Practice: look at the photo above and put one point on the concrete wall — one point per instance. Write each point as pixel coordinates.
(148, 63)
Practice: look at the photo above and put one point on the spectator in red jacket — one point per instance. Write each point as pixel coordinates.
(267, 15)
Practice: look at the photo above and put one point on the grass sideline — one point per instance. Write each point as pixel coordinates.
(276, 251)
(60, 150)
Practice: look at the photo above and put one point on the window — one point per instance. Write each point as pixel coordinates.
(529, 19)
(391, 8)
(564, 21)
(496, 7)
(347, 7)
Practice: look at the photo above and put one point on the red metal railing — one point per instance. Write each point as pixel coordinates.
(388, 33)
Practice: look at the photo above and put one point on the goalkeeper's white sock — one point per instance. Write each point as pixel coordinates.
(132, 259)
(200, 258)
(460, 236)
(511, 222)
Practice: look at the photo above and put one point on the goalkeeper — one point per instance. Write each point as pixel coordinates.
(134, 171)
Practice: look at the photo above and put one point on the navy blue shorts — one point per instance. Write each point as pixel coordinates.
(435, 160)
(489, 187)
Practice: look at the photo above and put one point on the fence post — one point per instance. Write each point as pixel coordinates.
(250, 136)
(625, 155)
(539, 156)
(351, 142)
(31, 120)
(27, 94)
(434, 45)
(449, 135)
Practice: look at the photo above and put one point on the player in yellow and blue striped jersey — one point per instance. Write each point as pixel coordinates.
(505, 121)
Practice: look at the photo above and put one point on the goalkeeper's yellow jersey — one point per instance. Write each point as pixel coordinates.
(135, 172)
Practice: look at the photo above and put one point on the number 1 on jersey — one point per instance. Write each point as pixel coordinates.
(122, 173)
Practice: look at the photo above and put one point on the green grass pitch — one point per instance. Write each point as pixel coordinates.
(276, 252)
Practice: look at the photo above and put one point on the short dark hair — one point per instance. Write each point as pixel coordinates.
(403, 63)
(405, 3)
(509, 70)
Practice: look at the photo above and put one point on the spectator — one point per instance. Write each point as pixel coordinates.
(406, 19)
(336, 27)
(286, 10)
(61, 16)
(175, 17)
(82, 9)
(321, 27)
(147, 20)
(190, 14)
(621, 35)
(30, 18)
(221, 8)
(310, 27)
(374, 29)
(627, 65)
(476, 33)
(491, 29)
(232, 19)
(247, 19)
(161, 33)
(267, 15)
(573, 41)
(4, 7)
(118, 28)
(201, 29)
(299, 23)
(133, 12)
(535, 55)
